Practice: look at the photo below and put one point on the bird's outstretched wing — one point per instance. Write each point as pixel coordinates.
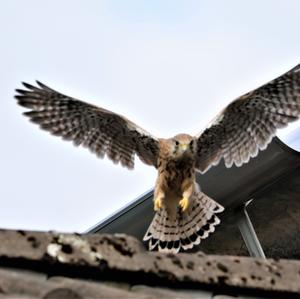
(100, 130)
(249, 123)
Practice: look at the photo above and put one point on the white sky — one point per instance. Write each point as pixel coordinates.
(170, 66)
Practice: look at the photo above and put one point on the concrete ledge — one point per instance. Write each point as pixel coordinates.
(123, 260)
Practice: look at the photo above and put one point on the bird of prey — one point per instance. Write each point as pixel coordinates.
(184, 215)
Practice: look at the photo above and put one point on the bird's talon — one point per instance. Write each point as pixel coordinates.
(157, 204)
(184, 204)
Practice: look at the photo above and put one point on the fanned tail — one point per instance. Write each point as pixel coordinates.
(185, 230)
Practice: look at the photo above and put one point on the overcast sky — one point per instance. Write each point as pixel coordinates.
(169, 66)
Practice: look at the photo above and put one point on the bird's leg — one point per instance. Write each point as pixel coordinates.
(188, 189)
(158, 198)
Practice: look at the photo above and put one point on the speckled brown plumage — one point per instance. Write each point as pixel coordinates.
(102, 131)
(184, 215)
(249, 123)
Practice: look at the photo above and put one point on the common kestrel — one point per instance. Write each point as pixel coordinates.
(184, 215)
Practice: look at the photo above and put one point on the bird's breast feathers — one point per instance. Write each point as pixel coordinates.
(173, 172)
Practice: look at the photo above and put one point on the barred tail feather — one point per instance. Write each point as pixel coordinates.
(185, 230)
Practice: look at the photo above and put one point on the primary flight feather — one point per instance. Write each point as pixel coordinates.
(184, 215)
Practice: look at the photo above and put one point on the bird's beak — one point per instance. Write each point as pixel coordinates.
(183, 146)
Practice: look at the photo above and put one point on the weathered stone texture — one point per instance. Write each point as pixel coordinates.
(122, 260)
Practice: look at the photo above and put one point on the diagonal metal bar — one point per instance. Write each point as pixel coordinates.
(248, 233)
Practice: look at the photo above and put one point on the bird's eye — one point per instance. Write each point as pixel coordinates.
(192, 142)
(176, 142)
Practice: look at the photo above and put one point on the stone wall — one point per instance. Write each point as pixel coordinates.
(53, 265)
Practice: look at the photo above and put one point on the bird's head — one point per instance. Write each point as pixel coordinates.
(183, 145)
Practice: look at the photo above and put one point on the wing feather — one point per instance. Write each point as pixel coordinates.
(249, 123)
(100, 130)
